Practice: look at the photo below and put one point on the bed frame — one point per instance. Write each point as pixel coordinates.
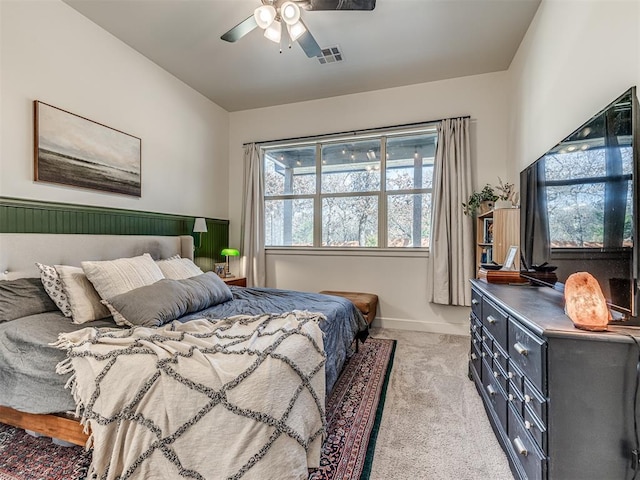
(18, 254)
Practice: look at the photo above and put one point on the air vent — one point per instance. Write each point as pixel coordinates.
(330, 55)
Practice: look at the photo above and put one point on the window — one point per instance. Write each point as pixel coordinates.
(370, 191)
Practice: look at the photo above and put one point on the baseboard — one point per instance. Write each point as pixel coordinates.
(422, 326)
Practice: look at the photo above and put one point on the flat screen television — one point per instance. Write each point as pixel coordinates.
(579, 208)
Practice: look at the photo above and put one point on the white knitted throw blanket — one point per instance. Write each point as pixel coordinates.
(241, 397)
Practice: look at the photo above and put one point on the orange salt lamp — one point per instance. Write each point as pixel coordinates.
(585, 303)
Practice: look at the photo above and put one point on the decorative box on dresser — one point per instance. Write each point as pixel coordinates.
(560, 400)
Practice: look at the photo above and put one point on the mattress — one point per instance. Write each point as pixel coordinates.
(27, 359)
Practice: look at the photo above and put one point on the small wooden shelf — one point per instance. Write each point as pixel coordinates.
(502, 227)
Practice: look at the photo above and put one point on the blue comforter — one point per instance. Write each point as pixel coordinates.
(28, 381)
(343, 321)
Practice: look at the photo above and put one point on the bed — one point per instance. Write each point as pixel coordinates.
(34, 397)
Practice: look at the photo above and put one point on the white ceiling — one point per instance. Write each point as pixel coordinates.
(400, 42)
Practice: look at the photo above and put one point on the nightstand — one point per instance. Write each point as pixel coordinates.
(236, 281)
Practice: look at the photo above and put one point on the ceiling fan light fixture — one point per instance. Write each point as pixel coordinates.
(296, 30)
(274, 32)
(265, 15)
(290, 13)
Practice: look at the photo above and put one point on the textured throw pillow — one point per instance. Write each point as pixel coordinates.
(177, 268)
(113, 277)
(53, 286)
(83, 298)
(23, 297)
(167, 300)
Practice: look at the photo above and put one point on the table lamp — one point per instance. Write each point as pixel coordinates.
(229, 252)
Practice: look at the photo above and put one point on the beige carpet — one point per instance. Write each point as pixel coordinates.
(434, 426)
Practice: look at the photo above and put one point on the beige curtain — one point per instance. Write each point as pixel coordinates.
(252, 234)
(451, 254)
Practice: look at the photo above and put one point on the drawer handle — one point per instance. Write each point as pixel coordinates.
(521, 349)
(511, 397)
(510, 375)
(496, 355)
(520, 448)
(474, 302)
(527, 425)
(491, 319)
(491, 390)
(495, 374)
(484, 354)
(474, 341)
(474, 356)
(527, 399)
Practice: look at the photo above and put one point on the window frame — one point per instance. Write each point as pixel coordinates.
(382, 194)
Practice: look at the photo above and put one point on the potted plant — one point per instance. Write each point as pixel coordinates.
(507, 195)
(482, 200)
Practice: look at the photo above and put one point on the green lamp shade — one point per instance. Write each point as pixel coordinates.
(230, 252)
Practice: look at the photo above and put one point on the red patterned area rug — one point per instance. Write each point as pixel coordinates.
(354, 411)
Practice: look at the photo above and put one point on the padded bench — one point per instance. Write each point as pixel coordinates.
(367, 303)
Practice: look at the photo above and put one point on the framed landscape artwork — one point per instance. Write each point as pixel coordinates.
(72, 150)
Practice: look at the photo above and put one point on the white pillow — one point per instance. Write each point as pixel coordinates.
(83, 299)
(176, 268)
(53, 286)
(114, 277)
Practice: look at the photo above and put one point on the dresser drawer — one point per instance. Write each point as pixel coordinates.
(476, 303)
(515, 399)
(536, 428)
(516, 377)
(487, 347)
(496, 394)
(475, 325)
(529, 353)
(535, 401)
(495, 322)
(532, 461)
(475, 359)
(500, 356)
(500, 375)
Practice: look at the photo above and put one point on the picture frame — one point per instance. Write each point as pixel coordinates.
(75, 151)
(510, 258)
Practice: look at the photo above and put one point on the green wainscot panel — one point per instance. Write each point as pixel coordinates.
(29, 216)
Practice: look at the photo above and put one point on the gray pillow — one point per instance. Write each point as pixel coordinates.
(23, 297)
(167, 299)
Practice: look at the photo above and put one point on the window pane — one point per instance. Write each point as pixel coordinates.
(288, 223)
(351, 167)
(408, 220)
(410, 161)
(350, 221)
(290, 171)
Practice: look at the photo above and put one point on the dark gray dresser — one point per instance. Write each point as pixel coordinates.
(560, 400)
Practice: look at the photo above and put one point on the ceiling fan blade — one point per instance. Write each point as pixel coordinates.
(240, 30)
(309, 44)
(324, 5)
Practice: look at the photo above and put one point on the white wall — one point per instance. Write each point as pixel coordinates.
(401, 280)
(576, 58)
(49, 52)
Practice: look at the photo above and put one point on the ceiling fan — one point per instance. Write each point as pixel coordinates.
(272, 14)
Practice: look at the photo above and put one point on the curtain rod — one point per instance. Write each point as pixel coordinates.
(353, 132)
